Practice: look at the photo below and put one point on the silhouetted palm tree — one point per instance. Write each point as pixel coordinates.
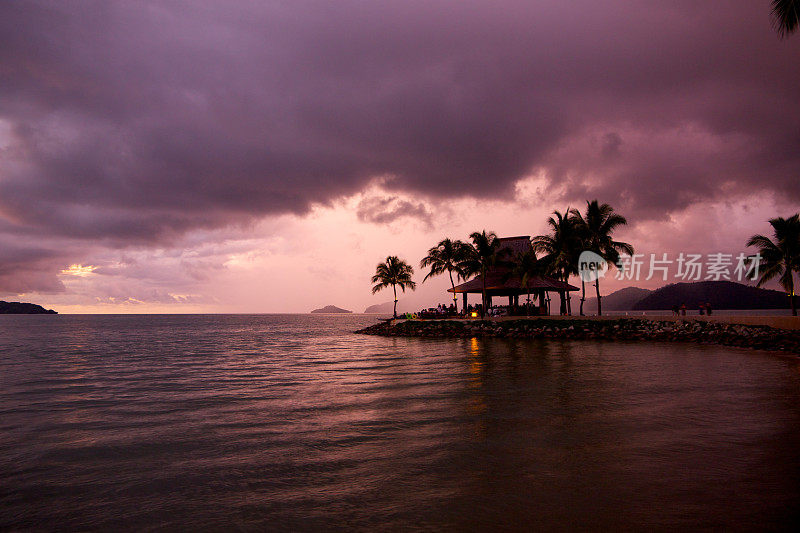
(561, 250)
(582, 236)
(785, 15)
(481, 256)
(394, 272)
(446, 256)
(525, 267)
(596, 227)
(780, 257)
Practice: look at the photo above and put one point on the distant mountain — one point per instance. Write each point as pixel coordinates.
(22, 308)
(721, 295)
(379, 309)
(331, 309)
(387, 307)
(621, 300)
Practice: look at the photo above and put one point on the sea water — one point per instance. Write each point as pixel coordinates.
(292, 422)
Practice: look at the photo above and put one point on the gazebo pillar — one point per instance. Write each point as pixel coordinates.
(465, 303)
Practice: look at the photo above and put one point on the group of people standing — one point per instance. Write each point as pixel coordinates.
(443, 309)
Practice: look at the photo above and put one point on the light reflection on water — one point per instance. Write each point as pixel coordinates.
(292, 422)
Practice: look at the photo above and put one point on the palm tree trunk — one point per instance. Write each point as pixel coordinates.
(562, 306)
(569, 296)
(483, 295)
(455, 298)
(394, 288)
(597, 291)
(791, 291)
(583, 295)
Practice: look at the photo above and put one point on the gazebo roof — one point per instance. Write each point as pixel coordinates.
(515, 245)
(496, 286)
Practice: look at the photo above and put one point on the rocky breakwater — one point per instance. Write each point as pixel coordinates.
(759, 337)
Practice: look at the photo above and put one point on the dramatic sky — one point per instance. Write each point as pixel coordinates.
(242, 156)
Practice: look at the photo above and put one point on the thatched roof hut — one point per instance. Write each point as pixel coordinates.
(498, 283)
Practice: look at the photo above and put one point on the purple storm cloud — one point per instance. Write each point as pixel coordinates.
(129, 124)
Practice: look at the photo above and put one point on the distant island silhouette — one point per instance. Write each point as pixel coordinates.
(23, 308)
(331, 309)
(385, 307)
(721, 294)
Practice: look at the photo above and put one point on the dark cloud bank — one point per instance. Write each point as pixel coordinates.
(128, 123)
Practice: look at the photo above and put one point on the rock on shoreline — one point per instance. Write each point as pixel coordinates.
(758, 337)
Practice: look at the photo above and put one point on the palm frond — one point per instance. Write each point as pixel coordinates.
(761, 241)
(444, 257)
(393, 272)
(785, 16)
(779, 257)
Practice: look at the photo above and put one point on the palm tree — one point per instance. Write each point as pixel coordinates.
(582, 236)
(785, 15)
(446, 256)
(596, 227)
(525, 267)
(394, 272)
(780, 257)
(482, 255)
(560, 249)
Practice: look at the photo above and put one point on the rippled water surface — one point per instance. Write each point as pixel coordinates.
(287, 422)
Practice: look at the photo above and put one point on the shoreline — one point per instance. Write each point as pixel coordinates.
(784, 322)
(710, 330)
